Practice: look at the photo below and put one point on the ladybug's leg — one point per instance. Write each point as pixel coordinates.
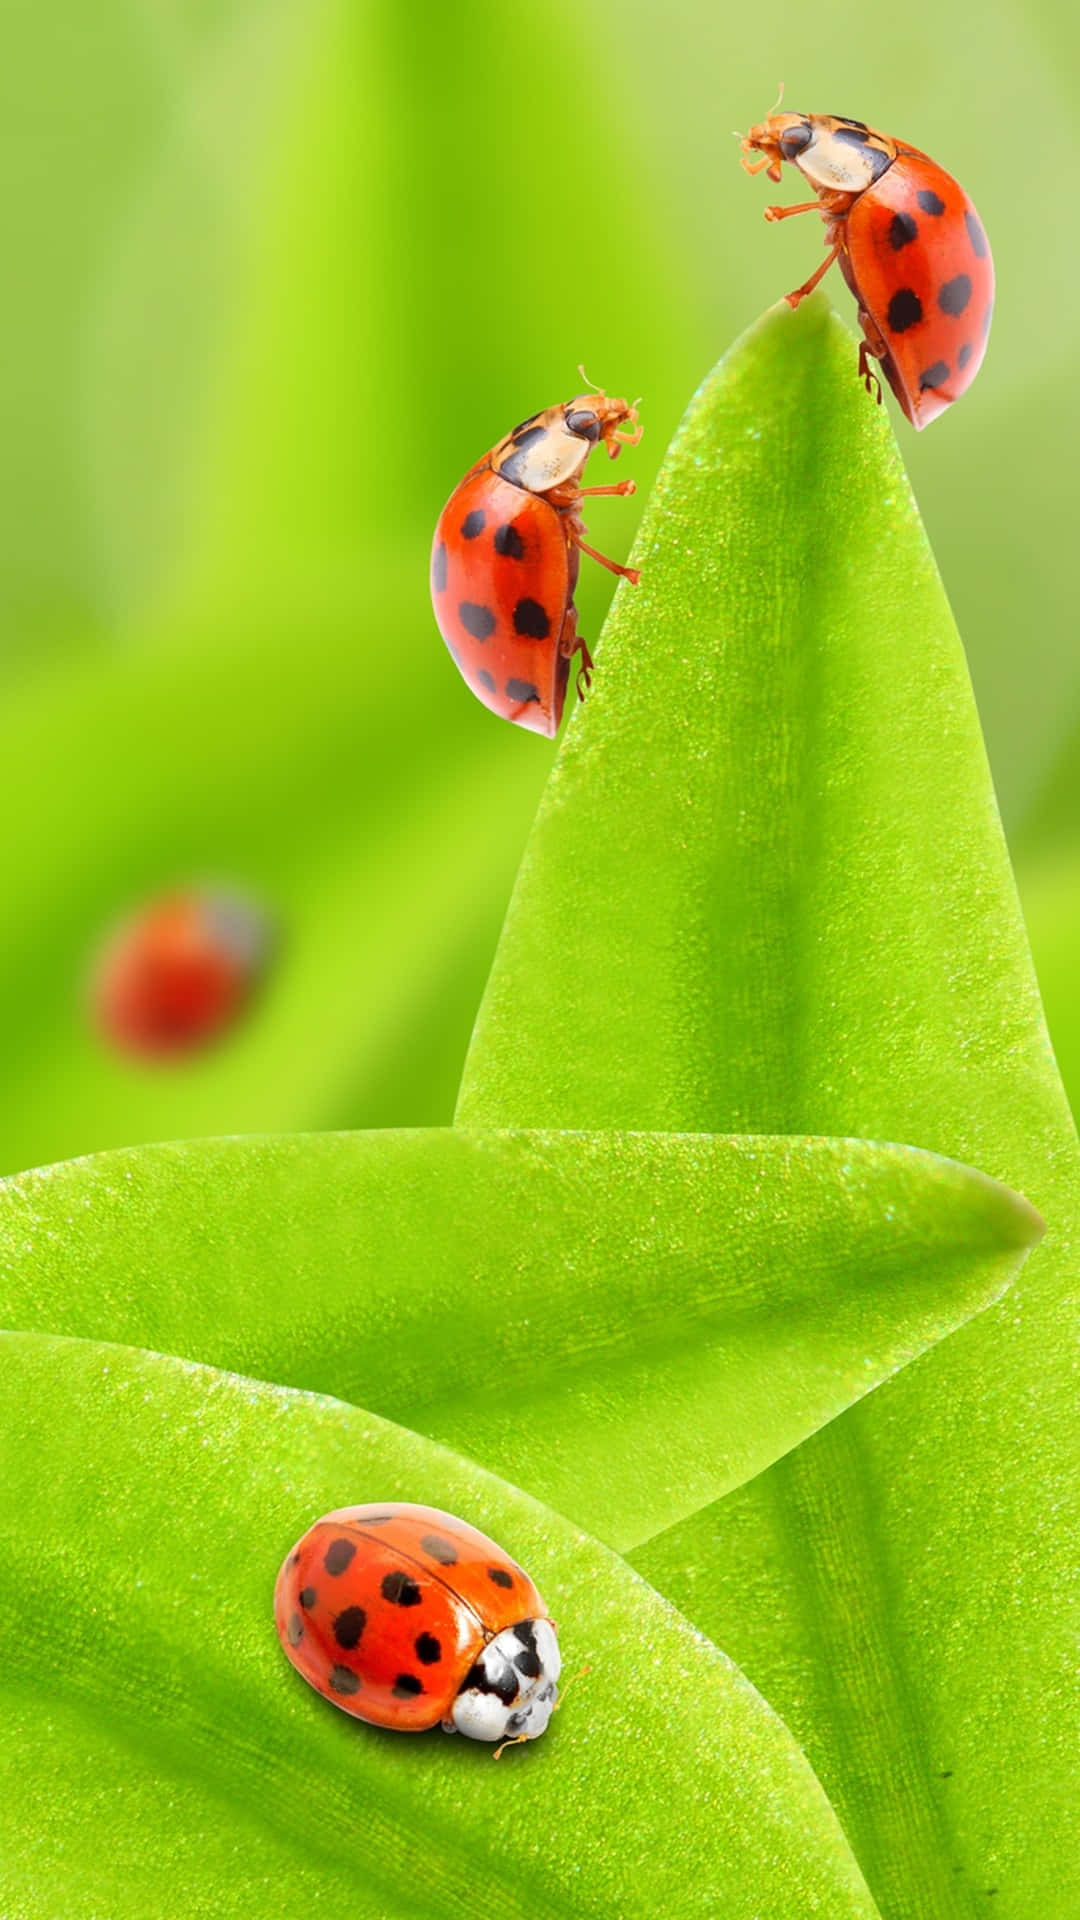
(585, 671)
(571, 642)
(808, 286)
(624, 487)
(873, 343)
(866, 373)
(785, 213)
(628, 573)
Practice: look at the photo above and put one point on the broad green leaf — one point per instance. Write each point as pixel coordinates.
(739, 1294)
(769, 874)
(162, 1757)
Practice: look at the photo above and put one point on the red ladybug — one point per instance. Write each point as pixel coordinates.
(411, 1619)
(505, 559)
(175, 976)
(910, 245)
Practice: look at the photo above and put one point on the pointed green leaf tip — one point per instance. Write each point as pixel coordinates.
(776, 787)
(741, 1292)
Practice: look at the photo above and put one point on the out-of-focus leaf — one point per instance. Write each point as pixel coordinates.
(769, 874)
(381, 850)
(162, 1757)
(553, 1305)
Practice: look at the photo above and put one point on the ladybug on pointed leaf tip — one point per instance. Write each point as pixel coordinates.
(408, 1618)
(506, 553)
(910, 246)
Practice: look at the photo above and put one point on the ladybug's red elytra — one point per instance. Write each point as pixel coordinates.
(409, 1618)
(175, 976)
(505, 559)
(910, 246)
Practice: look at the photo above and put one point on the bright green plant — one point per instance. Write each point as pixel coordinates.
(765, 921)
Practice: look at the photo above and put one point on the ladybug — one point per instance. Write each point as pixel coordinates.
(176, 975)
(505, 558)
(910, 245)
(411, 1619)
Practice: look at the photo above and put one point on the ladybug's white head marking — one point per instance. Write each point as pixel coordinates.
(510, 1692)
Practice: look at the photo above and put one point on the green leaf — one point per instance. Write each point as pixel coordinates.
(769, 869)
(162, 1757)
(740, 1293)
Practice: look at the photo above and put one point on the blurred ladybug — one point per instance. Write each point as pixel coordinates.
(505, 559)
(411, 1619)
(175, 976)
(910, 245)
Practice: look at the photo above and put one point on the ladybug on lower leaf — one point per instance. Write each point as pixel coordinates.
(505, 559)
(910, 246)
(411, 1619)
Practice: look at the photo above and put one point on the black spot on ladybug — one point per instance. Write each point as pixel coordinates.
(980, 245)
(438, 568)
(902, 231)
(440, 1549)
(295, 1630)
(531, 621)
(428, 1649)
(338, 1554)
(349, 1625)
(509, 543)
(522, 690)
(929, 201)
(344, 1680)
(499, 1575)
(502, 1684)
(307, 1597)
(964, 355)
(905, 310)
(794, 140)
(474, 523)
(477, 620)
(934, 376)
(955, 294)
(407, 1686)
(486, 679)
(528, 1663)
(400, 1590)
(523, 428)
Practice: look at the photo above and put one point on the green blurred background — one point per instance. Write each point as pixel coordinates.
(275, 274)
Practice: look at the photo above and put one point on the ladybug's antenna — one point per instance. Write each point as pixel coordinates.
(588, 382)
(779, 103)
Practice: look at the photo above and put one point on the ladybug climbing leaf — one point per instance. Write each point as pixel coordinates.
(160, 1756)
